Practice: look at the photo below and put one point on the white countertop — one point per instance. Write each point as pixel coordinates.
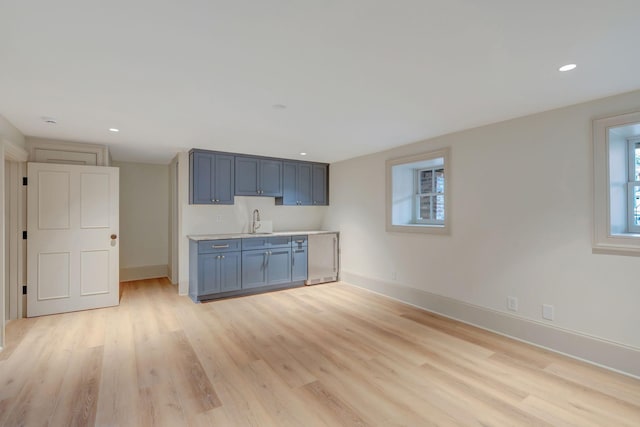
(198, 237)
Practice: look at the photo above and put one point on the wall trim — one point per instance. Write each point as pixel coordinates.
(611, 355)
(14, 152)
(144, 272)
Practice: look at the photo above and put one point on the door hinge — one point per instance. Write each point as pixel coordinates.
(25, 180)
(24, 289)
(24, 235)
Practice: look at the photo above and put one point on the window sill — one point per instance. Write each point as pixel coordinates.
(618, 244)
(419, 228)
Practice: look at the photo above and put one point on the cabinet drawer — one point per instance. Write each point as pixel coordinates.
(298, 241)
(213, 246)
(265, 242)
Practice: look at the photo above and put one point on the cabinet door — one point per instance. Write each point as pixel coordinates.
(304, 184)
(208, 274)
(320, 185)
(246, 172)
(279, 266)
(230, 271)
(223, 182)
(270, 181)
(298, 264)
(289, 183)
(201, 178)
(254, 273)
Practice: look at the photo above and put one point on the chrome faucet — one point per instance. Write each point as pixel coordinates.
(256, 218)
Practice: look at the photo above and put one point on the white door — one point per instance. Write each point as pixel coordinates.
(72, 230)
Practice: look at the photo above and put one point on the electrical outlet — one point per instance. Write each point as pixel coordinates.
(547, 311)
(219, 218)
(512, 303)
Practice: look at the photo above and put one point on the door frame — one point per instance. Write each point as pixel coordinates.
(12, 152)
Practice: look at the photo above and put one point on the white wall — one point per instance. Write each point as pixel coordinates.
(144, 220)
(220, 219)
(521, 225)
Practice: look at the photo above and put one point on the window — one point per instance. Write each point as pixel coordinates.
(417, 193)
(633, 186)
(429, 200)
(616, 147)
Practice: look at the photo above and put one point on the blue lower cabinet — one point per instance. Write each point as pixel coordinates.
(298, 264)
(228, 267)
(254, 268)
(219, 272)
(265, 267)
(279, 266)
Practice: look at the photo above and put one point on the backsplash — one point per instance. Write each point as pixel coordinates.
(215, 219)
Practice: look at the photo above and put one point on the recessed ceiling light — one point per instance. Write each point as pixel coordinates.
(279, 106)
(49, 120)
(114, 130)
(303, 154)
(567, 67)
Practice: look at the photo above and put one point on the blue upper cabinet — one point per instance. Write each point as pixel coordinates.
(211, 179)
(258, 177)
(297, 184)
(305, 184)
(320, 182)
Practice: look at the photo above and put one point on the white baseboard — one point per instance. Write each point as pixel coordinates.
(144, 272)
(608, 354)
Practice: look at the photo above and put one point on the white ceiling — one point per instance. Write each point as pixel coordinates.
(357, 76)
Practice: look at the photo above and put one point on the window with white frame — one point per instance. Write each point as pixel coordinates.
(633, 185)
(616, 148)
(417, 193)
(429, 199)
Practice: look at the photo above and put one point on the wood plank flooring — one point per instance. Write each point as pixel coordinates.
(327, 355)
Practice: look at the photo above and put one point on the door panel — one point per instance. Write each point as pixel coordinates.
(279, 266)
(289, 184)
(304, 184)
(209, 274)
(53, 200)
(319, 185)
(201, 186)
(271, 177)
(54, 271)
(230, 271)
(72, 259)
(94, 272)
(94, 200)
(254, 273)
(246, 174)
(299, 264)
(224, 179)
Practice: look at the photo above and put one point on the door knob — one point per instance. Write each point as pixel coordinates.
(114, 236)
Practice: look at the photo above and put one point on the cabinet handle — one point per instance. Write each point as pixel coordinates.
(222, 257)
(220, 246)
(299, 241)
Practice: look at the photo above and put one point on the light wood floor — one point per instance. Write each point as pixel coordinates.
(323, 355)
